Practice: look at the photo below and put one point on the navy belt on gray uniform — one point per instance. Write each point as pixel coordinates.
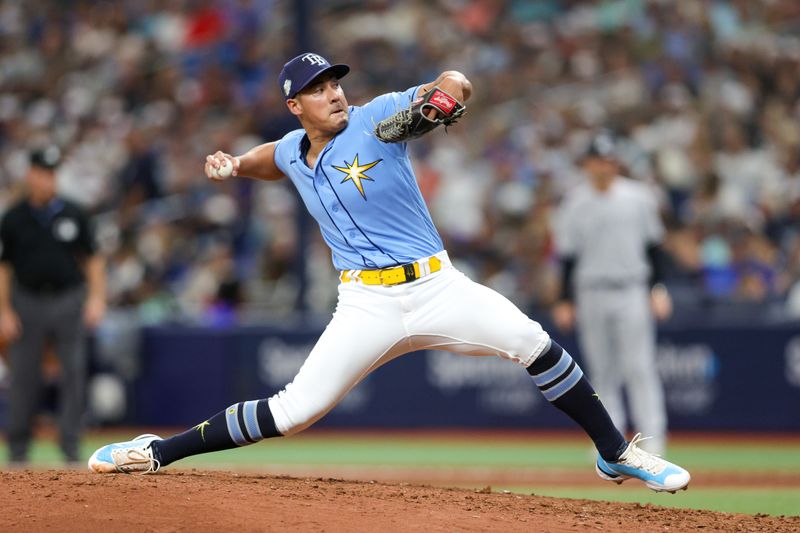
(611, 285)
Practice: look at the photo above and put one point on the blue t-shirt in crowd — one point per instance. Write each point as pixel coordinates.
(363, 192)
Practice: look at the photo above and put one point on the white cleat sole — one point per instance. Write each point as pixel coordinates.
(619, 479)
(616, 479)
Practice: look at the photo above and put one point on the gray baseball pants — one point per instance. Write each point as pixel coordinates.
(616, 332)
(47, 317)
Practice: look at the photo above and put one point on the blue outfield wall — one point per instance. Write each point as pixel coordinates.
(715, 379)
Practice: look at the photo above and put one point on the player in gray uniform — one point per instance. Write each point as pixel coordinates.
(607, 234)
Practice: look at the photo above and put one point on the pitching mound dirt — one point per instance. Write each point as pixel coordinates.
(219, 501)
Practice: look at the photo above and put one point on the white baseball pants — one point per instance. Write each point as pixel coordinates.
(374, 324)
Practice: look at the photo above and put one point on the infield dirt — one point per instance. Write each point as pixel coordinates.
(220, 501)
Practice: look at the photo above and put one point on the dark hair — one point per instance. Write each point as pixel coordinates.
(48, 157)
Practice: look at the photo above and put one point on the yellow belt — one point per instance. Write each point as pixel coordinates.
(391, 276)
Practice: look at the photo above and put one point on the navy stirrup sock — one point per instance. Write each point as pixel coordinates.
(238, 425)
(563, 384)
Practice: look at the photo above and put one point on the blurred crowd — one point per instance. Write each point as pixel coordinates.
(704, 95)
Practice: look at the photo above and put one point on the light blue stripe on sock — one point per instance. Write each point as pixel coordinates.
(570, 381)
(251, 421)
(549, 375)
(234, 430)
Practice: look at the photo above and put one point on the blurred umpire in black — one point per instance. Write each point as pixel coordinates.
(52, 287)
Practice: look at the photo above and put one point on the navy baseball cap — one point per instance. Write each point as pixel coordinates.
(302, 70)
(48, 157)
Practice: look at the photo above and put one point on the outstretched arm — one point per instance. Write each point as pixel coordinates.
(257, 163)
(440, 102)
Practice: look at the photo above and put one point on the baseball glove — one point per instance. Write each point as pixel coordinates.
(414, 122)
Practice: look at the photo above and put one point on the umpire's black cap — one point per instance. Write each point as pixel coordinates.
(301, 70)
(603, 145)
(48, 157)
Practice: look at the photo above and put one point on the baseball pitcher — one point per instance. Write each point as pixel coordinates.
(398, 290)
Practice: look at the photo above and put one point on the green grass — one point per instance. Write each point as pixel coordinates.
(368, 451)
(738, 456)
(454, 451)
(399, 452)
(774, 501)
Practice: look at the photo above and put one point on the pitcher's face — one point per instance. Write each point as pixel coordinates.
(322, 105)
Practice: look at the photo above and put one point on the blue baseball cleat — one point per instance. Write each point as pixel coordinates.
(126, 457)
(658, 474)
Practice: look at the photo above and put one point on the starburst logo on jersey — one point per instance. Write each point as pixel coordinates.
(355, 173)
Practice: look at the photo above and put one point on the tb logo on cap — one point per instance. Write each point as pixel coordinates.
(315, 59)
(301, 70)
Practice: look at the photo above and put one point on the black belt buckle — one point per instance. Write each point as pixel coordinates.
(409, 271)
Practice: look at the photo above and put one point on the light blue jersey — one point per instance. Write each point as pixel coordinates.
(363, 192)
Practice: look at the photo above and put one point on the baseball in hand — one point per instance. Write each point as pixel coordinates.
(225, 169)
